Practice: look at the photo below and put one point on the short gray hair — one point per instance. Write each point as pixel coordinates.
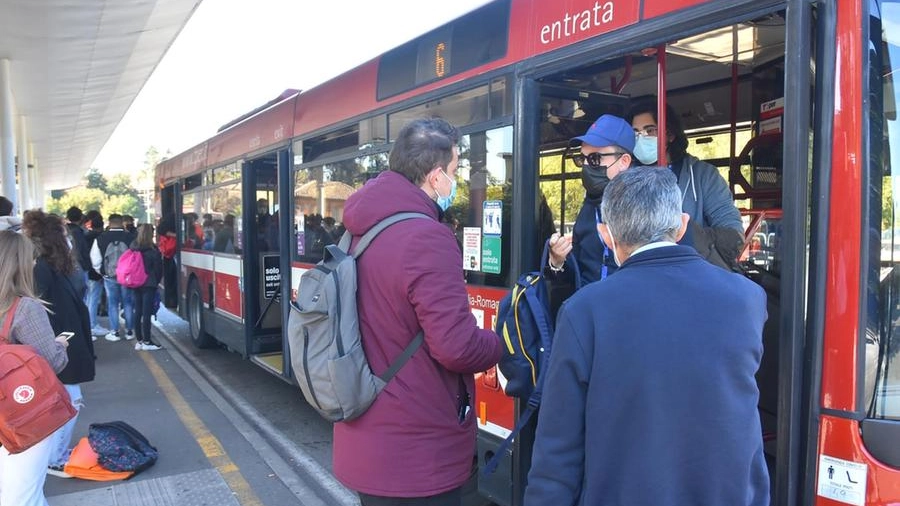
(642, 205)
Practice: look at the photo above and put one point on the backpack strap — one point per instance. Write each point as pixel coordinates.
(403, 358)
(375, 230)
(8, 320)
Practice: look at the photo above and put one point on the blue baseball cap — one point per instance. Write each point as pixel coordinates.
(609, 130)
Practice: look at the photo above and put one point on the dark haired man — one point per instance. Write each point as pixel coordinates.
(649, 399)
(74, 219)
(715, 231)
(105, 253)
(415, 444)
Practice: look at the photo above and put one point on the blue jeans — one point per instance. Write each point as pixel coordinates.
(59, 452)
(93, 300)
(116, 294)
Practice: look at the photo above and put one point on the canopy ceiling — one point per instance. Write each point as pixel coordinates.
(76, 67)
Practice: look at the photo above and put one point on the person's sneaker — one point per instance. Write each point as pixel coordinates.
(129, 335)
(138, 346)
(112, 337)
(151, 347)
(99, 331)
(58, 471)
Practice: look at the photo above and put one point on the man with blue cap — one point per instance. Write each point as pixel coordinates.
(605, 151)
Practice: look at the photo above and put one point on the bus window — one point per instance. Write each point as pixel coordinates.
(319, 196)
(480, 214)
(882, 302)
(227, 234)
(466, 108)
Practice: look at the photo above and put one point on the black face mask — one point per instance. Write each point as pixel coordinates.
(594, 180)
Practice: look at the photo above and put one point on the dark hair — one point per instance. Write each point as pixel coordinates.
(679, 143)
(115, 219)
(74, 215)
(128, 217)
(6, 206)
(47, 232)
(421, 146)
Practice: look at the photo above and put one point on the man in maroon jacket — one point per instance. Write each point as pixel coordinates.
(415, 445)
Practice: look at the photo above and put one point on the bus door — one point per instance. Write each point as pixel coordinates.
(168, 223)
(262, 262)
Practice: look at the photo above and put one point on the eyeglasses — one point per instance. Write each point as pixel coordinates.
(594, 159)
(647, 131)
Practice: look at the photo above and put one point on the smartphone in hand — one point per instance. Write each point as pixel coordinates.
(65, 335)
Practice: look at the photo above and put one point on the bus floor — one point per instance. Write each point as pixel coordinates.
(209, 451)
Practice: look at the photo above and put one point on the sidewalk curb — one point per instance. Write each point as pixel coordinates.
(305, 476)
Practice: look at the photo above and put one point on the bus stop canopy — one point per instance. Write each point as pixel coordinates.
(74, 68)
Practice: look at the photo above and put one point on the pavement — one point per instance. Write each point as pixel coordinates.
(215, 447)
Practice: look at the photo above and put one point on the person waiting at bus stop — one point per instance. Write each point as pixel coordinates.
(416, 444)
(604, 153)
(651, 396)
(715, 231)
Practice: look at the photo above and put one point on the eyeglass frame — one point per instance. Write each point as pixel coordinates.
(579, 158)
(647, 131)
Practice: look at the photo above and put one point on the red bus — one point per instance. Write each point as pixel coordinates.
(793, 101)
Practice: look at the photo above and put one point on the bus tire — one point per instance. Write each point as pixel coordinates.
(199, 336)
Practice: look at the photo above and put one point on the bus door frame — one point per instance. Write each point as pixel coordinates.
(251, 259)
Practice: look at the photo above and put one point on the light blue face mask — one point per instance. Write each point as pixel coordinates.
(645, 149)
(444, 202)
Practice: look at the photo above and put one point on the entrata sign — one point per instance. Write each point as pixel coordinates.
(559, 24)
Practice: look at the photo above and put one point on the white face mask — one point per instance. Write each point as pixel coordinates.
(645, 149)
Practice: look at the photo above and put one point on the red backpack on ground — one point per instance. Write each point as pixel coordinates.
(130, 271)
(33, 402)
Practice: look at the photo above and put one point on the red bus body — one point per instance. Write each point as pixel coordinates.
(542, 36)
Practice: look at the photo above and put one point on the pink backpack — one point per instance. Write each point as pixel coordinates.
(130, 271)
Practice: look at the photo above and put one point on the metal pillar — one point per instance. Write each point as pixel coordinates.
(25, 200)
(7, 148)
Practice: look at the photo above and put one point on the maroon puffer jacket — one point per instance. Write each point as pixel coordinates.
(411, 443)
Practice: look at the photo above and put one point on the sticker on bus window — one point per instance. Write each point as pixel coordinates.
(492, 217)
(472, 248)
(842, 480)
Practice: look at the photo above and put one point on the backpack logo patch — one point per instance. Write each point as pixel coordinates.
(23, 394)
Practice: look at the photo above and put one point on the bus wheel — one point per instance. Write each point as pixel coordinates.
(199, 336)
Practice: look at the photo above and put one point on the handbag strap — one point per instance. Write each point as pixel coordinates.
(8, 319)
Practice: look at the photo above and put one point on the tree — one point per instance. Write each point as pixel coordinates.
(120, 184)
(95, 179)
(80, 197)
(122, 204)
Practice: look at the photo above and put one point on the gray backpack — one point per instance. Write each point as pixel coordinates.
(323, 333)
(114, 251)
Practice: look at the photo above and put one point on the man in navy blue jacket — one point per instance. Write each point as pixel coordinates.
(650, 396)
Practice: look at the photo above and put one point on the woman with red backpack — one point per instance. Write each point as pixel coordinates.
(145, 295)
(25, 321)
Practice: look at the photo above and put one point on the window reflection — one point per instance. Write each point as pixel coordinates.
(319, 196)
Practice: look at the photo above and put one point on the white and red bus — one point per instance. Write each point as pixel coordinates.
(793, 100)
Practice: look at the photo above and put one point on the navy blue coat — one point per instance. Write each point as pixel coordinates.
(651, 396)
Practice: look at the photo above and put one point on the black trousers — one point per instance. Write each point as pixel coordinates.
(451, 498)
(143, 311)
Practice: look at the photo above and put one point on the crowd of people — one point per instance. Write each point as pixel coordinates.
(638, 366)
(55, 273)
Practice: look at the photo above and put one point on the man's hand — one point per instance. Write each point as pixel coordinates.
(560, 247)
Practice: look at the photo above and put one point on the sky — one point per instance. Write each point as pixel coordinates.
(235, 55)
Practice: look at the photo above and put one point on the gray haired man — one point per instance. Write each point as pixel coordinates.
(650, 395)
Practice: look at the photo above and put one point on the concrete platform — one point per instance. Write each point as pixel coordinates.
(209, 454)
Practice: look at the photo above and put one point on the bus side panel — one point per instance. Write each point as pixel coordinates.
(229, 293)
(840, 438)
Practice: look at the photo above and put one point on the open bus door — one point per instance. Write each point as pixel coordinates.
(262, 261)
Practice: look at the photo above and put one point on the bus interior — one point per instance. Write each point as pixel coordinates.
(727, 103)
